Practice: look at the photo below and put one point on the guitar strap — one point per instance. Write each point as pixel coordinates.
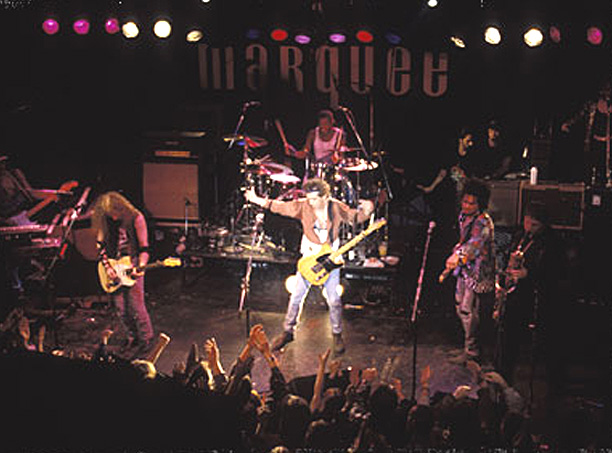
(330, 221)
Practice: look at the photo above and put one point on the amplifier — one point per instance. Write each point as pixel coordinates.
(564, 203)
(504, 204)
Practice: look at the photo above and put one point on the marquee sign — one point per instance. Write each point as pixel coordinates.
(257, 66)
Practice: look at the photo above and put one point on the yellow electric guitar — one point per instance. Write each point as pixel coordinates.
(124, 268)
(316, 268)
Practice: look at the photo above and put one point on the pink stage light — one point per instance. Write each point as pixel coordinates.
(112, 26)
(50, 26)
(337, 38)
(302, 39)
(81, 26)
(594, 36)
(555, 34)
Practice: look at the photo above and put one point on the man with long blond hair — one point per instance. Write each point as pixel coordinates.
(122, 231)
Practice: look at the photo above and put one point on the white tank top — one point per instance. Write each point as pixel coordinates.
(323, 150)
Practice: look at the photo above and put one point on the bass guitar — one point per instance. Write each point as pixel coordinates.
(124, 269)
(316, 268)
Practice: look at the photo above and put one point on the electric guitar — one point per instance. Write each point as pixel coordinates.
(316, 268)
(124, 269)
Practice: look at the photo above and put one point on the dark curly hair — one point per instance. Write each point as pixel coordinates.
(478, 189)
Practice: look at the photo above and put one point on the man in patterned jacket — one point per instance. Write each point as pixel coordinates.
(473, 263)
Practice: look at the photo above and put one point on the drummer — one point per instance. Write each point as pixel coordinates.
(325, 142)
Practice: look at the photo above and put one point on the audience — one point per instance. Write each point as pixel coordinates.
(349, 409)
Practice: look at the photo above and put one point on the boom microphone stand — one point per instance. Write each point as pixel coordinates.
(245, 285)
(415, 306)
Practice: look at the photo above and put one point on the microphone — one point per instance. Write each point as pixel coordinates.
(432, 225)
(252, 104)
(343, 108)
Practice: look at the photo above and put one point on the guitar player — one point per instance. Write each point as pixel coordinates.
(16, 195)
(321, 217)
(122, 231)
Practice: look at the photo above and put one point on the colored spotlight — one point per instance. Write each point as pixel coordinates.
(302, 39)
(112, 26)
(337, 38)
(130, 30)
(533, 37)
(162, 29)
(50, 26)
(81, 26)
(279, 34)
(555, 34)
(432, 3)
(594, 36)
(392, 38)
(492, 35)
(364, 36)
(194, 35)
(458, 42)
(253, 33)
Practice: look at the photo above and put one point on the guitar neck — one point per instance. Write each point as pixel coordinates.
(350, 244)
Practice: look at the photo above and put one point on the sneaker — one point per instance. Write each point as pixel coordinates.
(338, 343)
(281, 341)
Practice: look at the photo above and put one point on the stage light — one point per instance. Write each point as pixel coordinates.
(458, 42)
(533, 37)
(594, 36)
(194, 35)
(555, 34)
(162, 29)
(205, 1)
(81, 26)
(253, 33)
(50, 26)
(364, 36)
(432, 3)
(337, 38)
(111, 26)
(392, 38)
(130, 30)
(339, 290)
(279, 34)
(492, 35)
(290, 283)
(302, 38)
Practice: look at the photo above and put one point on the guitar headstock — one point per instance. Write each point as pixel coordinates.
(172, 262)
(376, 225)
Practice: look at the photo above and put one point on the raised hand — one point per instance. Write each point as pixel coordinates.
(323, 358)
(334, 368)
(425, 375)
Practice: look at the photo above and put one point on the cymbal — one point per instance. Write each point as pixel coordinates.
(269, 168)
(357, 164)
(251, 141)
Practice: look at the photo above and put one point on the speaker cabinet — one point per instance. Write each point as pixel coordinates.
(170, 190)
(564, 203)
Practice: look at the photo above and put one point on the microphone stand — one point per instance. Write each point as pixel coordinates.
(415, 306)
(61, 249)
(245, 285)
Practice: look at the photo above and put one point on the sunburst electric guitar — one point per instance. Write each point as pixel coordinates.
(124, 269)
(316, 268)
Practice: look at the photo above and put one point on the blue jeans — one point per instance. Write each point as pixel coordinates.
(296, 302)
(132, 311)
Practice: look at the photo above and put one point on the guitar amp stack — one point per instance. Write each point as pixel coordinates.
(565, 203)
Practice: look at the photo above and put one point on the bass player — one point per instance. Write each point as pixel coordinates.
(321, 217)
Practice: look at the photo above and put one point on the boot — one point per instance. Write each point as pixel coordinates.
(281, 341)
(338, 343)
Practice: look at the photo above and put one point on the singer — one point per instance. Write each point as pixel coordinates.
(122, 231)
(473, 263)
(321, 217)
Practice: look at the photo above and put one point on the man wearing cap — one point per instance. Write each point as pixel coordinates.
(321, 217)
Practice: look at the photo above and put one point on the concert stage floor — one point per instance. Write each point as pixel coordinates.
(203, 303)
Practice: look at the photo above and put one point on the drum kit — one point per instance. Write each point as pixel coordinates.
(278, 181)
